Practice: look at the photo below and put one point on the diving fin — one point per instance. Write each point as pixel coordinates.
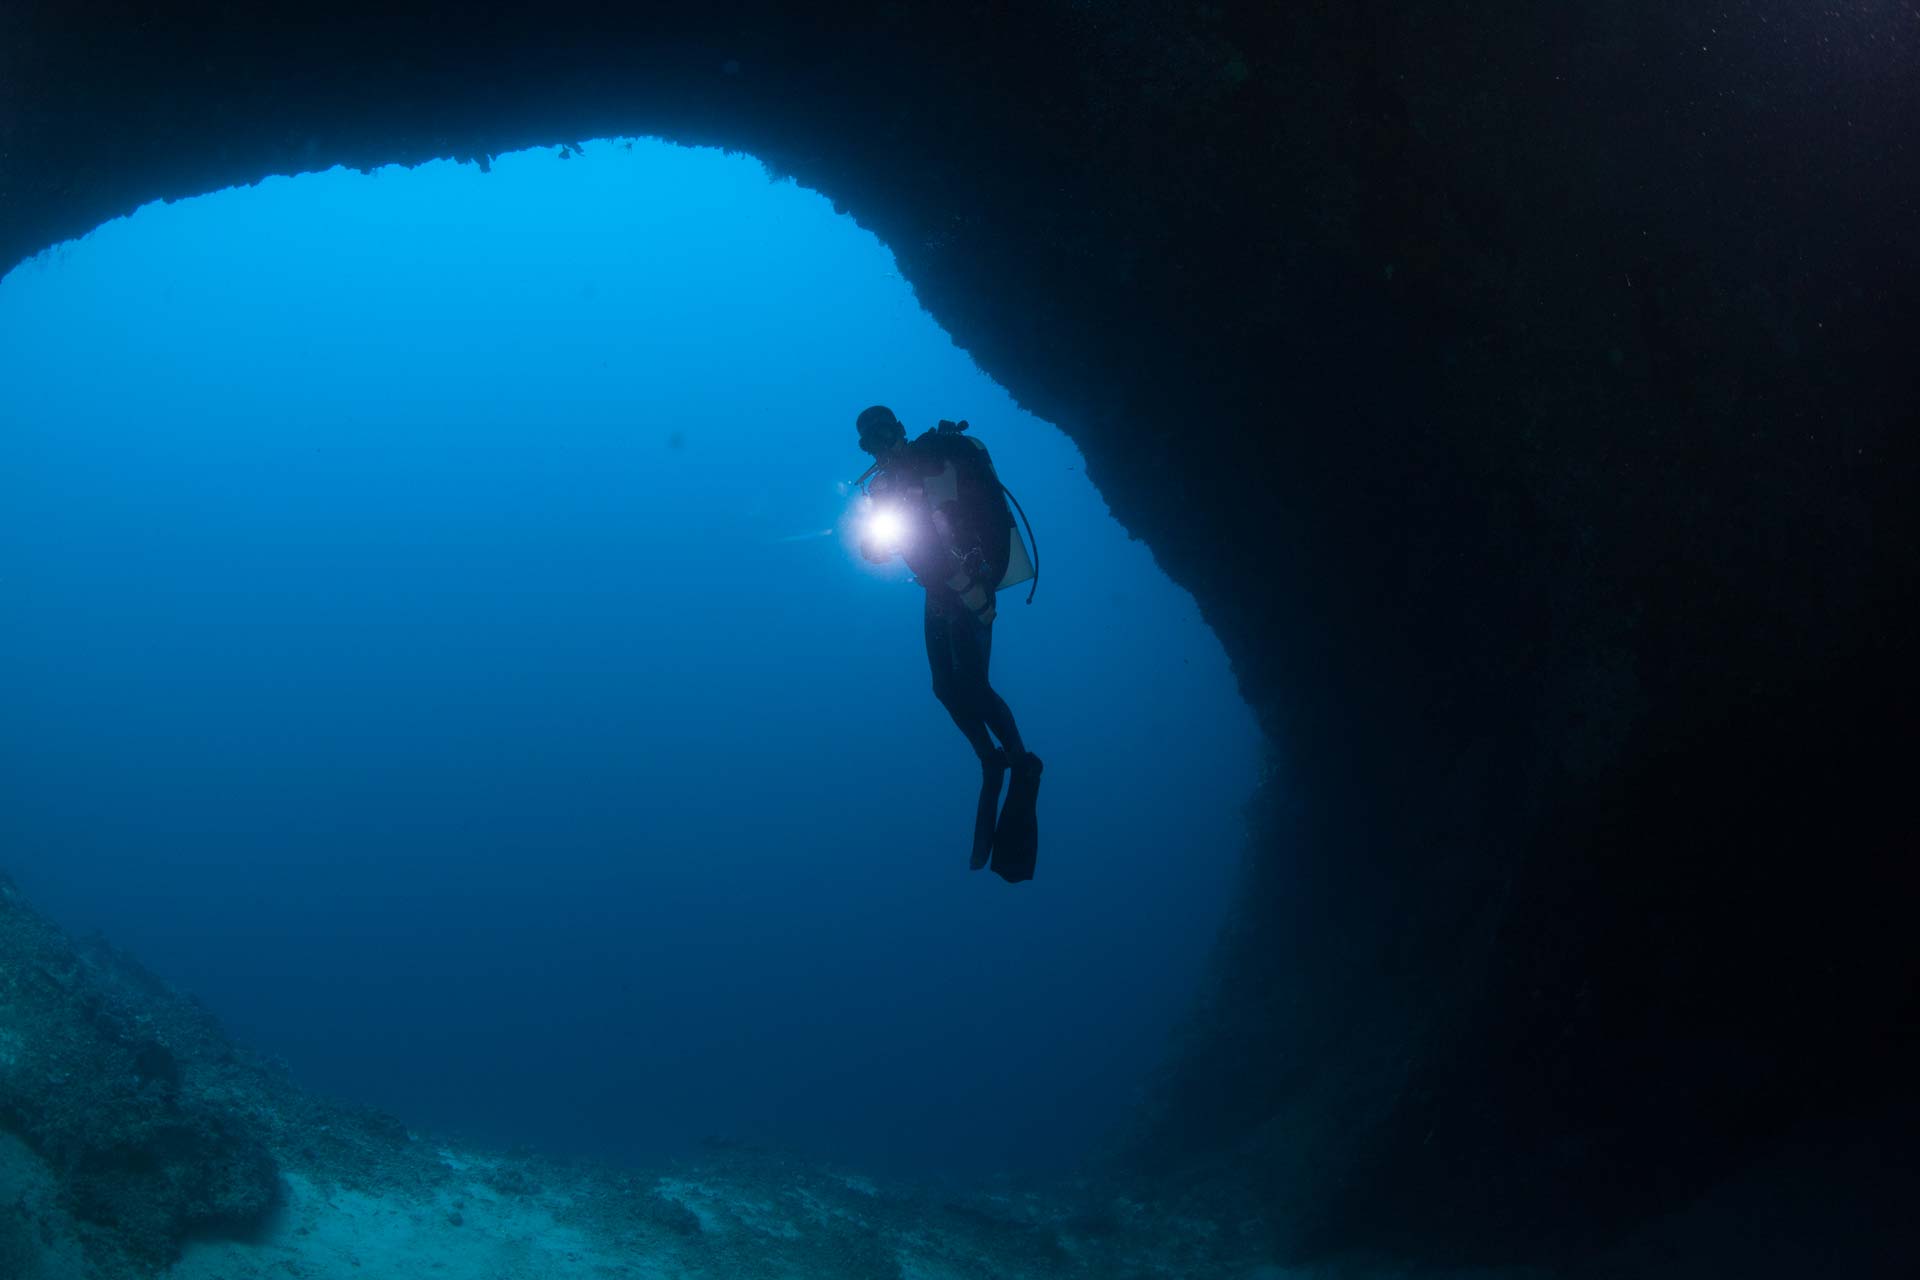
(993, 772)
(1016, 842)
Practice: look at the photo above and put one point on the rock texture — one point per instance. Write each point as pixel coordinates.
(1525, 393)
(136, 1140)
(122, 1094)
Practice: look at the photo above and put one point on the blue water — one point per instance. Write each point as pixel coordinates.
(413, 642)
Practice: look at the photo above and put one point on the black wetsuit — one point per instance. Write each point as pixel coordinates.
(953, 503)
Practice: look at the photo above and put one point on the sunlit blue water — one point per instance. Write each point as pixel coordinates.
(406, 647)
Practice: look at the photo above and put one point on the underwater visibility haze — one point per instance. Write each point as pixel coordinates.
(433, 640)
(477, 800)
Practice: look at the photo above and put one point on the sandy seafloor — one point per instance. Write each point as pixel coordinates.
(743, 1214)
(127, 1114)
(434, 1210)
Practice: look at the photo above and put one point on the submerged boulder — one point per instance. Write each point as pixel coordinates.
(126, 1091)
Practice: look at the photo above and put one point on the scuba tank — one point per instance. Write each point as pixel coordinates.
(1020, 566)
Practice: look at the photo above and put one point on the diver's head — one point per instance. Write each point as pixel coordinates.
(880, 432)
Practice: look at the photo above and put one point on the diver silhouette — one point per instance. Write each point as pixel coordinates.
(937, 502)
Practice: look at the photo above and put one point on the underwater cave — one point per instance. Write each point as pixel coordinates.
(1522, 396)
(465, 634)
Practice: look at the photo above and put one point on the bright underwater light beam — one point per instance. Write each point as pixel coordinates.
(885, 527)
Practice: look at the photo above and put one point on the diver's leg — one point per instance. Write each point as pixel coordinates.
(973, 656)
(960, 696)
(1016, 835)
(949, 685)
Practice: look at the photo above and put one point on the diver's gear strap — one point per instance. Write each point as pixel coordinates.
(970, 587)
(975, 596)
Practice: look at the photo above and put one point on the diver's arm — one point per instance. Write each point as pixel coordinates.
(873, 548)
(884, 494)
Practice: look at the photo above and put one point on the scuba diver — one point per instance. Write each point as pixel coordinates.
(937, 502)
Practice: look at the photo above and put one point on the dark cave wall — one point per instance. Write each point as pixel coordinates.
(1526, 397)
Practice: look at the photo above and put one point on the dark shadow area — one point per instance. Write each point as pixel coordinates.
(1526, 396)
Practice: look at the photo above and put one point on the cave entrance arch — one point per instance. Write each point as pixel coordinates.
(471, 553)
(1585, 323)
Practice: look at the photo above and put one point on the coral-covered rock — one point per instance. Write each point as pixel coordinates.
(117, 1085)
